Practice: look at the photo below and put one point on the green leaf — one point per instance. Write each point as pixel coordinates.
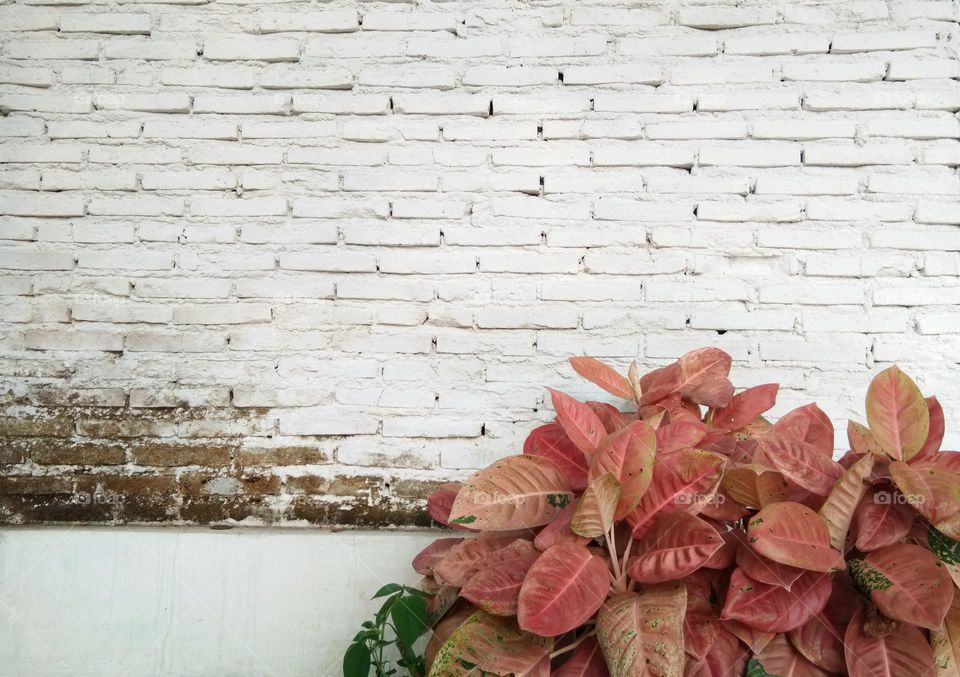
(356, 661)
(417, 591)
(409, 617)
(944, 547)
(388, 589)
(755, 669)
(866, 577)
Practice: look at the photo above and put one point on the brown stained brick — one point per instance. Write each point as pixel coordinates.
(147, 509)
(274, 456)
(57, 453)
(341, 485)
(129, 485)
(16, 426)
(10, 453)
(90, 397)
(357, 513)
(32, 486)
(170, 455)
(126, 428)
(211, 509)
(247, 484)
(412, 489)
(53, 508)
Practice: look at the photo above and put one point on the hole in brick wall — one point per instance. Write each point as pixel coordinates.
(560, 76)
(687, 322)
(491, 107)
(483, 430)
(720, 332)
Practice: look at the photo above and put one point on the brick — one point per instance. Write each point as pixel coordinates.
(314, 22)
(154, 50)
(429, 77)
(409, 21)
(903, 68)
(844, 155)
(750, 155)
(685, 45)
(715, 18)
(251, 48)
(846, 43)
(317, 78)
(41, 339)
(788, 43)
(865, 71)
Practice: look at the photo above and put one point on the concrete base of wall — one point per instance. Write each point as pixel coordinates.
(167, 601)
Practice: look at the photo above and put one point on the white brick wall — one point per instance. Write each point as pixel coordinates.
(392, 222)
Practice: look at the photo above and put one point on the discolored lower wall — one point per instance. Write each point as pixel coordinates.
(116, 465)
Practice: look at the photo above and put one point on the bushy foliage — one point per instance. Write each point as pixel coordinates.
(690, 536)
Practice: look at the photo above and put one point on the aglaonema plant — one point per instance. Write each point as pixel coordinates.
(687, 535)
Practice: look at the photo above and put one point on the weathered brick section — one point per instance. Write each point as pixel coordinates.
(287, 263)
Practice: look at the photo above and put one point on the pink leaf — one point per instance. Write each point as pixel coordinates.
(792, 534)
(771, 608)
(897, 414)
(562, 589)
(800, 463)
(495, 587)
(837, 511)
(937, 429)
(907, 583)
(440, 502)
(679, 435)
(559, 531)
(461, 558)
(642, 633)
(902, 653)
(628, 455)
(759, 568)
(607, 378)
(699, 376)
(430, 556)
(577, 419)
(808, 424)
(553, 444)
(745, 406)
(515, 492)
(701, 623)
(685, 480)
(585, 661)
(675, 545)
(779, 657)
(882, 518)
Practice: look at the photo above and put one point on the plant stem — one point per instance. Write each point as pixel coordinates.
(574, 645)
(612, 549)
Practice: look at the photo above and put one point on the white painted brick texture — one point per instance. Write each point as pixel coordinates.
(377, 230)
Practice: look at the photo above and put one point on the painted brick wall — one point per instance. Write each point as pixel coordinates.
(298, 262)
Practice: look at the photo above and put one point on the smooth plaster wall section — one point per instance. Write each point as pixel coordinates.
(296, 263)
(99, 601)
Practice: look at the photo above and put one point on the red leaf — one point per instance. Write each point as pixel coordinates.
(723, 508)
(746, 406)
(563, 589)
(725, 556)
(801, 463)
(675, 545)
(607, 378)
(701, 621)
(907, 583)
(629, 455)
(585, 661)
(897, 414)
(771, 608)
(679, 435)
(440, 502)
(493, 644)
(780, 657)
(937, 428)
(553, 444)
(759, 568)
(882, 518)
(577, 419)
(685, 480)
(808, 424)
(792, 534)
(699, 376)
(495, 587)
(430, 556)
(559, 531)
(904, 652)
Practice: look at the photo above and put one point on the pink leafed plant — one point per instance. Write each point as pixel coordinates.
(690, 536)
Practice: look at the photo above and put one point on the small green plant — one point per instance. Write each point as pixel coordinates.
(404, 612)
